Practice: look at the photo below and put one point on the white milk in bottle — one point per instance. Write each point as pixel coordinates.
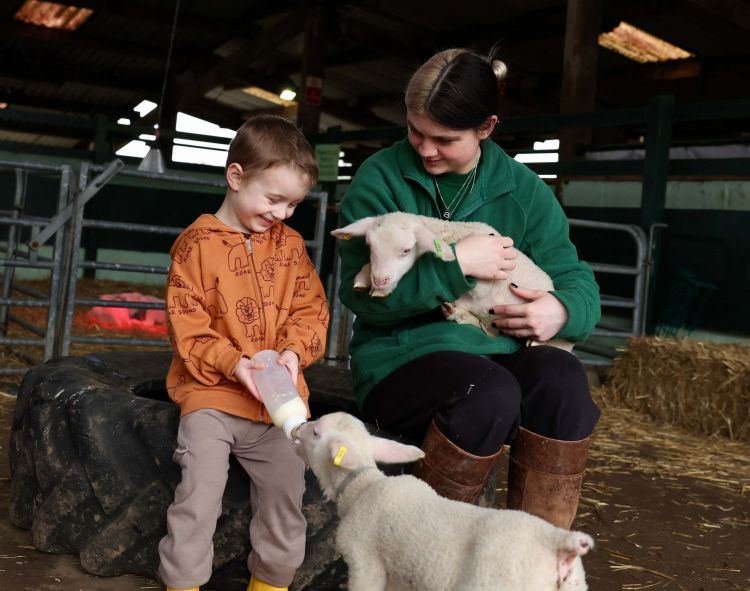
(279, 394)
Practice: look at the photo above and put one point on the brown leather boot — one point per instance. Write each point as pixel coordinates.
(545, 475)
(451, 471)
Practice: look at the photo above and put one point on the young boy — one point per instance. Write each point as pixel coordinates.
(241, 281)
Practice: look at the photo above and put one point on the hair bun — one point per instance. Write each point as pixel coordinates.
(499, 69)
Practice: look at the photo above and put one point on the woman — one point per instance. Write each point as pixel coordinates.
(462, 392)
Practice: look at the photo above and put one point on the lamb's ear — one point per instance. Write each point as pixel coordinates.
(388, 451)
(342, 453)
(358, 228)
(575, 544)
(428, 242)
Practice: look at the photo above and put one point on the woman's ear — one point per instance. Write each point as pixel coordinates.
(485, 130)
(234, 176)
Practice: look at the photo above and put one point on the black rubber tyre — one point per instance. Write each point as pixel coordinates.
(92, 473)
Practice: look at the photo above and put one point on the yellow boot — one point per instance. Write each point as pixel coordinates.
(256, 585)
(173, 589)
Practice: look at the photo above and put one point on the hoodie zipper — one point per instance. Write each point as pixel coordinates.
(259, 293)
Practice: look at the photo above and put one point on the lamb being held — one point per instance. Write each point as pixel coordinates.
(395, 532)
(396, 240)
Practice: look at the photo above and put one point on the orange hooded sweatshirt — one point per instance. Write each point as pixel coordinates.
(231, 294)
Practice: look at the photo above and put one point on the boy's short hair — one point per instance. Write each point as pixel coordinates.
(265, 141)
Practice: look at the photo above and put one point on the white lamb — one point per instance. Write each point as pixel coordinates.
(396, 533)
(396, 240)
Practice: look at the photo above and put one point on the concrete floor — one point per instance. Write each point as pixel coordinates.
(670, 511)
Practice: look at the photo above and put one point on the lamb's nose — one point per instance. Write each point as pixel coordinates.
(381, 281)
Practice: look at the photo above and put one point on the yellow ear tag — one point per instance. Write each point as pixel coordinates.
(340, 455)
(346, 237)
(438, 249)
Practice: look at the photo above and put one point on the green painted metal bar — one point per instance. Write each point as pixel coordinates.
(710, 111)
(656, 168)
(653, 195)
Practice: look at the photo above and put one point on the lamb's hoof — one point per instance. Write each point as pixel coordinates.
(448, 310)
(360, 287)
(376, 293)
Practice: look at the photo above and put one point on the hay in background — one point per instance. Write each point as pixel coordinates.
(703, 387)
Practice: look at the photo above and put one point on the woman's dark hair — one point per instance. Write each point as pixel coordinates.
(457, 88)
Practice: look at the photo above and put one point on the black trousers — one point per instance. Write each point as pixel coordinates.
(479, 402)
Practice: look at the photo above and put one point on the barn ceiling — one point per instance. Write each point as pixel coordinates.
(117, 57)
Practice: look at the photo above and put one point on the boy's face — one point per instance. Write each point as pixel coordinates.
(258, 201)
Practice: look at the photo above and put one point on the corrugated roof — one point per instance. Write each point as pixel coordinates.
(118, 56)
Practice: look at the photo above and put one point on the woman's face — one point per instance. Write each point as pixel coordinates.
(442, 149)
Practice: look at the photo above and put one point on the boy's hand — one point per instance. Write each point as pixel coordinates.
(290, 360)
(243, 371)
(243, 374)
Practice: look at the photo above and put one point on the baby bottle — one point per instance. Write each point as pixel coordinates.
(278, 392)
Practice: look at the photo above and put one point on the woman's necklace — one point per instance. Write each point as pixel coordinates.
(466, 188)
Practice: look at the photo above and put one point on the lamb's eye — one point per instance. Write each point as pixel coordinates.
(315, 432)
(405, 251)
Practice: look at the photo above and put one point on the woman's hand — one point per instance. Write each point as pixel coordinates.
(540, 318)
(486, 257)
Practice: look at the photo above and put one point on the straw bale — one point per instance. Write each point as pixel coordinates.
(703, 387)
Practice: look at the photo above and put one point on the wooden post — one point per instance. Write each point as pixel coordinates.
(313, 68)
(579, 76)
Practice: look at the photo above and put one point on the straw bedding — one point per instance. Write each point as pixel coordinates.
(28, 356)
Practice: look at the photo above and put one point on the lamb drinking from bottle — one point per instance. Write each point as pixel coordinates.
(397, 533)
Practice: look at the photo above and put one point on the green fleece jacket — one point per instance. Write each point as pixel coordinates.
(391, 331)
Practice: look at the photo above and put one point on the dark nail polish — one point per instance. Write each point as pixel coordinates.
(514, 285)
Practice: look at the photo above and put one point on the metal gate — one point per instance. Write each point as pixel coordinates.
(29, 341)
(29, 238)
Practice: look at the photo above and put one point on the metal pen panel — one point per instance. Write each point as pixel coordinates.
(638, 270)
(79, 223)
(18, 221)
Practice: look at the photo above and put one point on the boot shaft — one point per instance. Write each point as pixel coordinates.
(545, 476)
(451, 471)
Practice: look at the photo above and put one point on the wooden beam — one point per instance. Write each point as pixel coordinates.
(246, 53)
(150, 12)
(54, 74)
(196, 81)
(22, 99)
(736, 12)
(33, 40)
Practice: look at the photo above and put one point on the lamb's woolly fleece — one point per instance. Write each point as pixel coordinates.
(398, 530)
(390, 236)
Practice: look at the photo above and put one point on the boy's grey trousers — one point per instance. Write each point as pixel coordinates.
(277, 527)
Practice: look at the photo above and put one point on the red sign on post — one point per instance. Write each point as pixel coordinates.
(313, 90)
